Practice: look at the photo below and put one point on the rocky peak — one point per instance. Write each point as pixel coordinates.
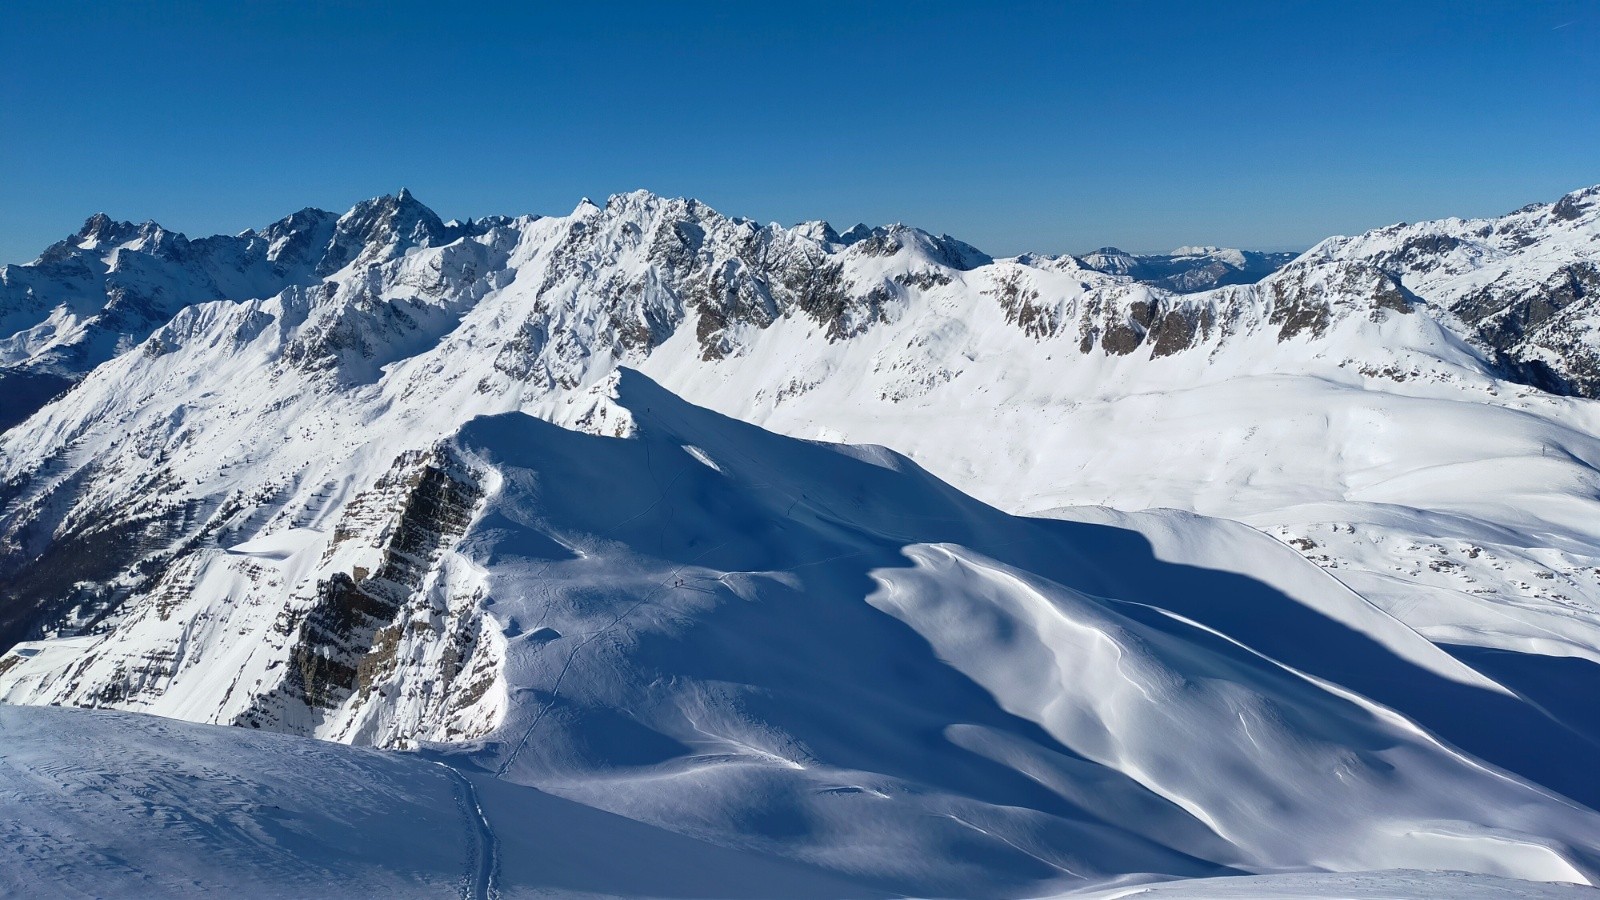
(890, 240)
(101, 229)
(856, 232)
(817, 230)
(381, 229)
(1522, 288)
(299, 237)
(1110, 260)
(1576, 205)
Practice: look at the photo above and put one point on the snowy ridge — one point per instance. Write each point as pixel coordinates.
(1524, 286)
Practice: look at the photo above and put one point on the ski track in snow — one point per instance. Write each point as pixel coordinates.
(480, 879)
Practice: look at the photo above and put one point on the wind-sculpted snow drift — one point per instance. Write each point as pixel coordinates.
(416, 497)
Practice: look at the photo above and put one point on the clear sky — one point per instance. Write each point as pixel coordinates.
(1016, 126)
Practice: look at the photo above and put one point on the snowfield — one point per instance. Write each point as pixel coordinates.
(143, 807)
(799, 563)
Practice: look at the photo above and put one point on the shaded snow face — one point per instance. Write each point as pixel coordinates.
(275, 816)
(122, 805)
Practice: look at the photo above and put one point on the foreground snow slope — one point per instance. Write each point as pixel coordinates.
(1391, 885)
(96, 804)
(101, 804)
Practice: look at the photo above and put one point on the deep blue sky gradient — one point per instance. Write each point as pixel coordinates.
(1015, 126)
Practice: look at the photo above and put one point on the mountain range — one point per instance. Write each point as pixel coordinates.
(1188, 270)
(866, 556)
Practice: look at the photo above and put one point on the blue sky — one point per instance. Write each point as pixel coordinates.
(1051, 127)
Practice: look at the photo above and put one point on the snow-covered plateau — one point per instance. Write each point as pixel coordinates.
(648, 551)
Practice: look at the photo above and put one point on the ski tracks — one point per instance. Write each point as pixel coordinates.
(479, 881)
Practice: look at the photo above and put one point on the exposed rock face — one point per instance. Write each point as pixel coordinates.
(1121, 319)
(1545, 333)
(345, 644)
(1522, 287)
(377, 642)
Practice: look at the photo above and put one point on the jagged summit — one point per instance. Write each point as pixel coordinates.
(854, 233)
(382, 228)
(818, 230)
(100, 231)
(101, 228)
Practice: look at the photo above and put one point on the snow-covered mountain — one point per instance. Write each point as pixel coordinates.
(1187, 270)
(103, 290)
(343, 504)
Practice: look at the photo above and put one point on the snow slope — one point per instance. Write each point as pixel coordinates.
(1392, 885)
(715, 630)
(99, 804)
(96, 804)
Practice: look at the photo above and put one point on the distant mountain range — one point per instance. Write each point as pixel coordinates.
(1187, 270)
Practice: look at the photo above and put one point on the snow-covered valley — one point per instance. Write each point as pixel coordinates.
(1293, 577)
